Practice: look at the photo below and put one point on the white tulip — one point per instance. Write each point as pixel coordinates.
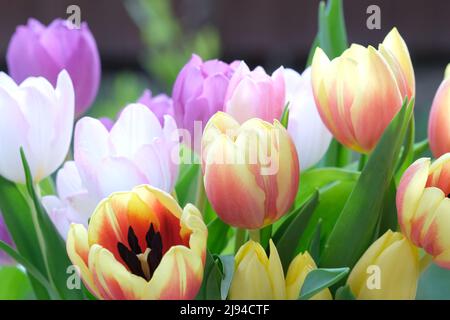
(136, 151)
(305, 126)
(38, 118)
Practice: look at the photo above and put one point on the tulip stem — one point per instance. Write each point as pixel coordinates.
(255, 235)
(200, 201)
(362, 162)
(241, 234)
(425, 262)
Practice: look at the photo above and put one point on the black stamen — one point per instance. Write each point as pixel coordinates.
(130, 259)
(155, 255)
(133, 241)
(149, 236)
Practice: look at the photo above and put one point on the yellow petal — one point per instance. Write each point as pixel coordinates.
(447, 72)
(398, 264)
(192, 222)
(78, 251)
(178, 276)
(410, 191)
(296, 275)
(397, 46)
(275, 271)
(251, 279)
(113, 280)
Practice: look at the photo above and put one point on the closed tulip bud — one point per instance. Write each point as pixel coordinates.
(388, 270)
(424, 207)
(198, 93)
(251, 171)
(258, 277)
(255, 94)
(310, 135)
(140, 245)
(359, 92)
(38, 118)
(37, 50)
(439, 122)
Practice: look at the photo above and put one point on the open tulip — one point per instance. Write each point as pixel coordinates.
(38, 118)
(424, 207)
(137, 150)
(255, 94)
(388, 270)
(140, 245)
(251, 171)
(439, 123)
(5, 237)
(310, 135)
(37, 50)
(198, 93)
(257, 276)
(359, 92)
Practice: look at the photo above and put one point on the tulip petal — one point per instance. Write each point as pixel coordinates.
(438, 133)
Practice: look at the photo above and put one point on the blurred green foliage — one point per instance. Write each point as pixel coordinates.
(168, 45)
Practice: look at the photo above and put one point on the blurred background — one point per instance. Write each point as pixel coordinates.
(144, 43)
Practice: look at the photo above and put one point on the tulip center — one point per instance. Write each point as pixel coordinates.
(140, 263)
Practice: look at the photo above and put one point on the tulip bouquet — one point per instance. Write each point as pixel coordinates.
(240, 185)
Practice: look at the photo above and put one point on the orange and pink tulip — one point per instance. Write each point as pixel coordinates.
(423, 207)
(140, 245)
(439, 122)
(358, 93)
(251, 171)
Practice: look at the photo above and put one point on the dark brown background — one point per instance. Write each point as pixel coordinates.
(266, 32)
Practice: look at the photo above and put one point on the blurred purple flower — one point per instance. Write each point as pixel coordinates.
(37, 50)
(160, 104)
(199, 92)
(4, 236)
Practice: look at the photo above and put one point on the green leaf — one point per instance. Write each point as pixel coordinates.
(14, 284)
(212, 278)
(27, 265)
(285, 116)
(407, 154)
(217, 235)
(17, 216)
(319, 279)
(388, 218)
(344, 293)
(314, 179)
(287, 237)
(337, 155)
(420, 148)
(186, 187)
(47, 187)
(332, 34)
(265, 236)
(227, 263)
(52, 245)
(332, 199)
(363, 208)
(314, 244)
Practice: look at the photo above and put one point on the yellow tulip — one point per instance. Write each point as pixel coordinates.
(140, 245)
(388, 270)
(423, 207)
(258, 277)
(358, 93)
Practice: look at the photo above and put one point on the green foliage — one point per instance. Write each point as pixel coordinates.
(320, 279)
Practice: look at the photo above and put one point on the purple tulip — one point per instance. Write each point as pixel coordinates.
(160, 104)
(199, 92)
(4, 236)
(37, 50)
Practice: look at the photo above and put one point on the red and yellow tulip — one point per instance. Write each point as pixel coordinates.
(359, 92)
(140, 245)
(388, 270)
(251, 171)
(424, 207)
(257, 276)
(439, 123)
